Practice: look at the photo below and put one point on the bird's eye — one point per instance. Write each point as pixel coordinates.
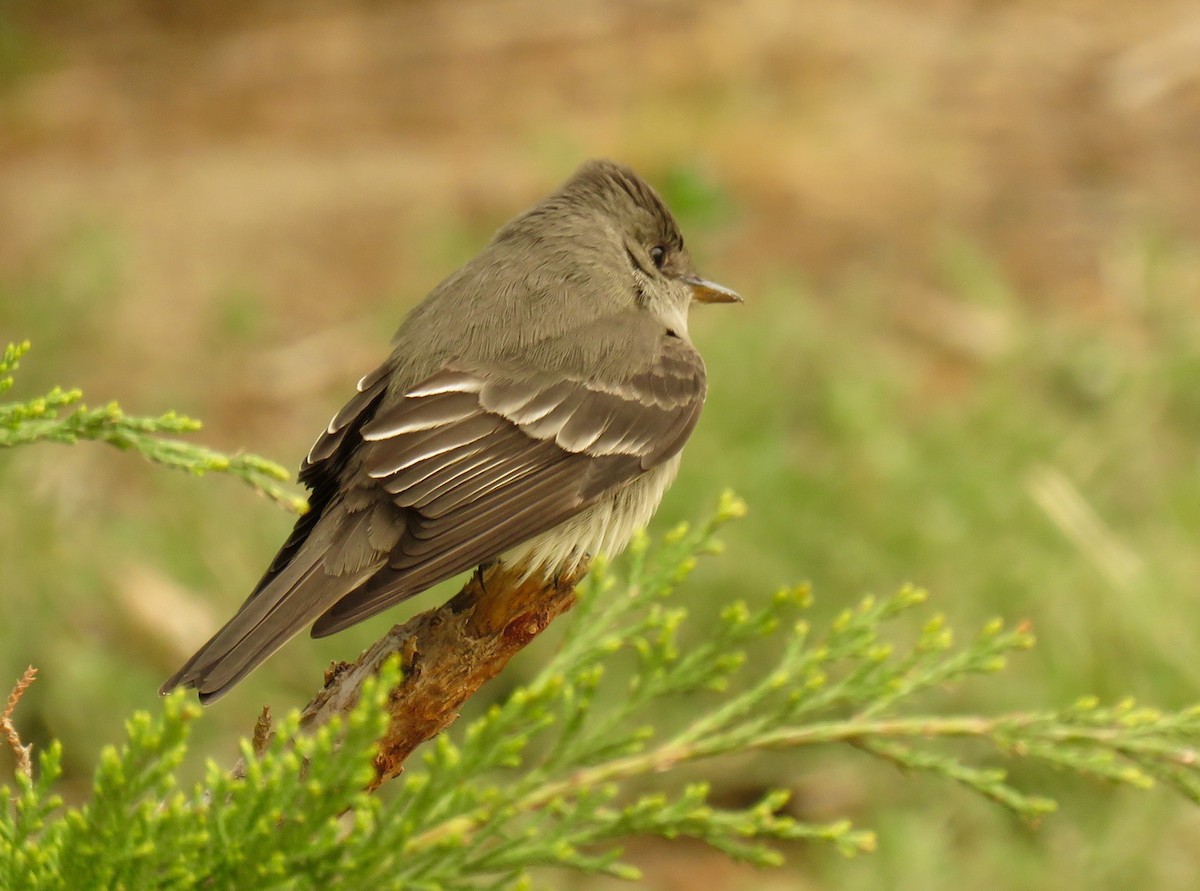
(658, 254)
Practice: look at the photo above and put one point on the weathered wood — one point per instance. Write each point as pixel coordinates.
(446, 654)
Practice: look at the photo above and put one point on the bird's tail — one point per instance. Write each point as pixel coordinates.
(265, 622)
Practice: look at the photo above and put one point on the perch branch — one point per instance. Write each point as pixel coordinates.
(446, 655)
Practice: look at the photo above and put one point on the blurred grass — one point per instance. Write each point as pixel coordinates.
(868, 457)
(969, 239)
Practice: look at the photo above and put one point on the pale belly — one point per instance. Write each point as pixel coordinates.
(604, 528)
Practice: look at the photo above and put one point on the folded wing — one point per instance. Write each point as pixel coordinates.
(412, 489)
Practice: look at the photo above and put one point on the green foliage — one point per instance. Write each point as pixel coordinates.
(554, 774)
(280, 826)
(43, 420)
(696, 198)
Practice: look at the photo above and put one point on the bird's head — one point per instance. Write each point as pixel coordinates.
(638, 238)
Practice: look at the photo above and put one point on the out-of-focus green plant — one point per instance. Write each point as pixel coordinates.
(60, 416)
(550, 775)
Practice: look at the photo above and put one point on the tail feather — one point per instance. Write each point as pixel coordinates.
(289, 602)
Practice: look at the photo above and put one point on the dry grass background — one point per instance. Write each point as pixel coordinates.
(302, 147)
(225, 207)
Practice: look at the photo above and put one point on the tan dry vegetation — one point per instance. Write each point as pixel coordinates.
(298, 146)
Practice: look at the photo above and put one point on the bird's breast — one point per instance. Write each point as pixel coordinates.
(604, 527)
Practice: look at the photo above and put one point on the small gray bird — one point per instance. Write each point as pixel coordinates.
(533, 410)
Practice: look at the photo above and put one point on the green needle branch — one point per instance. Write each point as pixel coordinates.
(59, 416)
(554, 774)
(557, 773)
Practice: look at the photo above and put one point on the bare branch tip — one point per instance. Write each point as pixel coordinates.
(21, 753)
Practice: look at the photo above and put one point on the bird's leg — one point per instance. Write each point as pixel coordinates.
(479, 576)
(569, 574)
(474, 590)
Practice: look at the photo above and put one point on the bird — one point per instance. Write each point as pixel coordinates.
(532, 411)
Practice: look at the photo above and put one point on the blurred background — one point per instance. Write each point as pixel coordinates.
(968, 234)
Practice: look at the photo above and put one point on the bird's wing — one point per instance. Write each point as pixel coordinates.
(481, 461)
(462, 467)
(325, 463)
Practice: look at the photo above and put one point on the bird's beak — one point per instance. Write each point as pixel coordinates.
(704, 291)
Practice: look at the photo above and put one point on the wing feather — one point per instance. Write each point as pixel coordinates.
(553, 447)
(325, 460)
(433, 412)
(399, 454)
